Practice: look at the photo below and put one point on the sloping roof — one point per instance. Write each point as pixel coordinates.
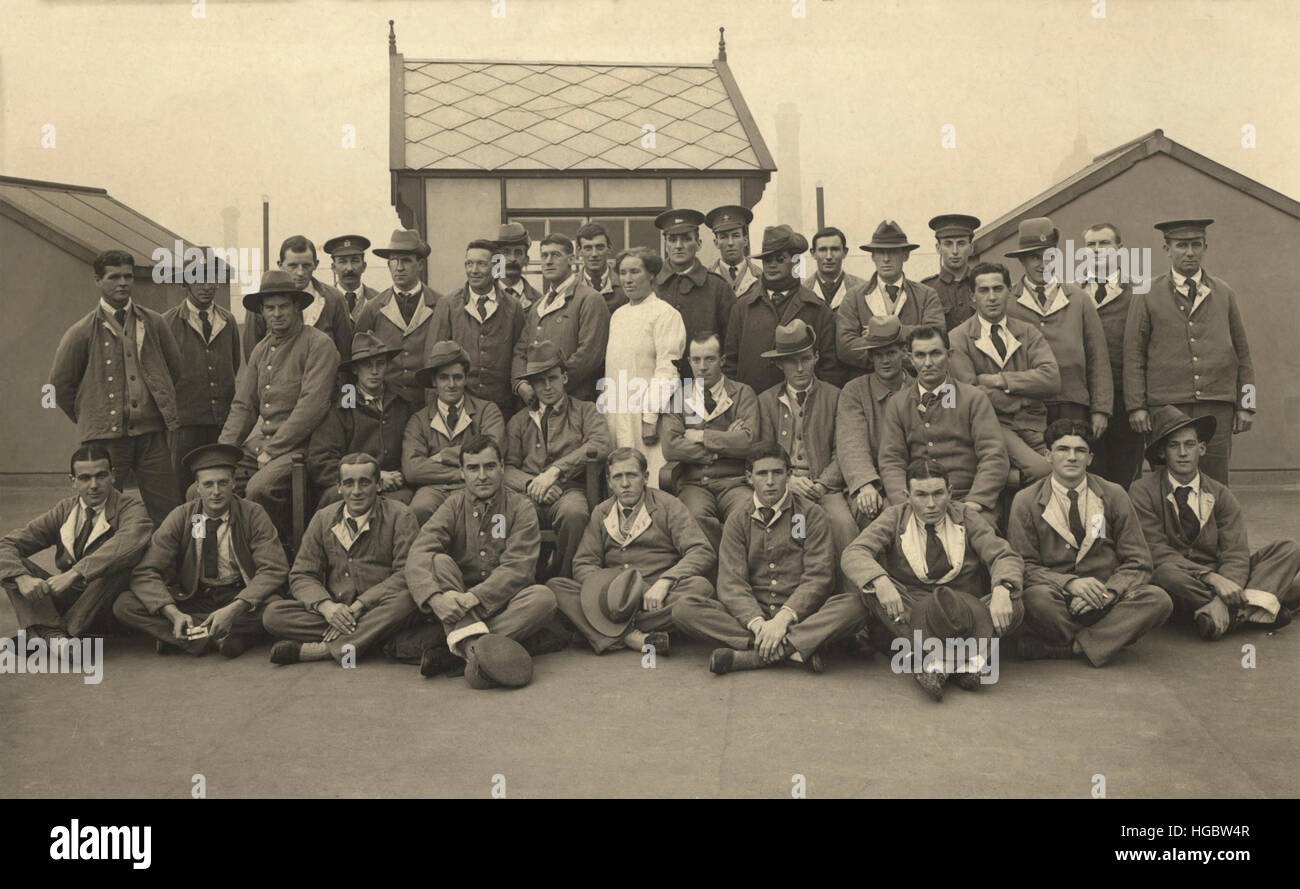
(484, 115)
(1112, 163)
(82, 220)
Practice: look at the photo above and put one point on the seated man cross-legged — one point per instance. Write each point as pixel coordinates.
(349, 589)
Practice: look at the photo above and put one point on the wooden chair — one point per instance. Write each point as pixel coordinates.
(300, 492)
(670, 476)
(594, 482)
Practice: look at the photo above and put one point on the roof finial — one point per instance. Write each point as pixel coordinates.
(722, 45)
(392, 39)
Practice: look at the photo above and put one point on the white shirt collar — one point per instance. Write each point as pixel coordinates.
(781, 506)
(362, 520)
(109, 310)
(1180, 281)
(560, 288)
(986, 326)
(1194, 484)
(791, 393)
(1062, 491)
(443, 408)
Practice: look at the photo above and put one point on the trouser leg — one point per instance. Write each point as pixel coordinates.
(1118, 453)
(1188, 592)
(270, 486)
(525, 614)
(1066, 410)
(1273, 569)
(704, 617)
(426, 500)
(97, 595)
(662, 618)
(40, 612)
(568, 516)
(705, 509)
(1023, 448)
(1139, 610)
(840, 615)
(155, 473)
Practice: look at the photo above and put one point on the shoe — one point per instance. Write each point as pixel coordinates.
(163, 648)
(232, 646)
(1205, 627)
(1283, 618)
(931, 684)
(286, 651)
(660, 641)
(968, 681)
(437, 661)
(720, 660)
(815, 663)
(547, 640)
(728, 660)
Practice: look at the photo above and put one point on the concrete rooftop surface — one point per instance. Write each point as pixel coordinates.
(1171, 717)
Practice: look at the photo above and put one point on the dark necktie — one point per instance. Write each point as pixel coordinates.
(710, 403)
(120, 315)
(625, 524)
(765, 514)
(1041, 290)
(1100, 296)
(352, 300)
(1188, 522)
(453, 417)
(892, 290)
(352, 527)
(801, 397)
(546, 429)
(734, 272)
(1076, 520)
(936, 557)
(928, 399)
(210, 545)
(207, 325)
(79, 545)
(482, 308)
(1191, 290)
(998, 343)
(406, 304)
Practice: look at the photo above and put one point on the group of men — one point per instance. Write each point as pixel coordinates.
(853, 461)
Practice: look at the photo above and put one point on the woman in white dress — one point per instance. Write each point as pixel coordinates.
(645, 337)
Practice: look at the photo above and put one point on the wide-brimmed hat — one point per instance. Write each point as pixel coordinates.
(366, 345)
(883, 330)
(1165, 421)
(277, 282)
(951, 615)
(404, 241)
(541, 357)
(792, 339)
(1184, 228)
(213, 456)
(496, 659)
(781, 237)
(347, 245)
(611, 597)
(1035, 236)
(728, 216)
(954, 225)
(512, 233)
(888, 235)
(672, 222)
(444, 352)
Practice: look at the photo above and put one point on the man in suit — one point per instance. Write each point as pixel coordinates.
(597, 268)
(1196, 531)
(212, 564)
(799, 415)
(434, 435)
(512, 245)
(281, 395)
(470, 571)
(649, 532)
(327, 311)
(954, 235)
(401, 315)
(1118, 457)
(113, 375)
(710, 437)
(487, 323)
(730, 226)
(1185, 345)
(208, 340)
(776, 570)
(859, 418)
(348, 581)
(830, 281)
(945, 420)
(347, 255)
(98, 535)
(1068, 320)
(888, 292)
(1087, 567)
(778, 299)
(368, 417)
(928, 548)
(546, 450)
(703, 298)
(569, 314)
(1012, 362)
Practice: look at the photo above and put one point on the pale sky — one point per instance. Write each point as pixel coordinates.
(180, 117)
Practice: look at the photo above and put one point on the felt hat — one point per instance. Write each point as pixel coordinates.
(883, 330)
(404, 241)
(212, 456)
(790, 339)
(952, 615)
(540, 358)
(781, 237)
(277, 282)
(611, 597)
(1165, 421)
(347, 245)
(954, 225)
(366, 345)
(1034, 236)
(888, 235)
(512, 233)
(444, 352)
(672, 222)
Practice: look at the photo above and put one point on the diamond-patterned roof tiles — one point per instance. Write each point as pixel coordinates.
(565, 116)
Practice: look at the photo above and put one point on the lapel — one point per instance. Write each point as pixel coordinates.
(1203, 291)
(640, 522)
(1060, 299)
(556, 305)
(311, 315)
(469, 300)
(191, 315)
(985, 343)
(339, 530)
(912, 542)
(1204, 509)
(696, 403)
(875, 296)
(141, 329)
(101, 528)
(1090, 509)
(437, 423)
(394, 314)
